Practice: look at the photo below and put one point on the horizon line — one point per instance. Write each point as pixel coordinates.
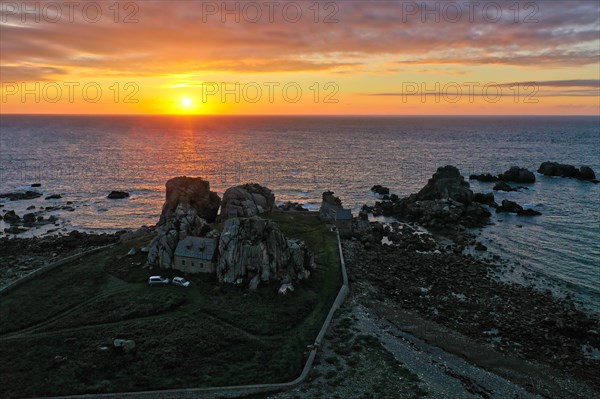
(296, 115)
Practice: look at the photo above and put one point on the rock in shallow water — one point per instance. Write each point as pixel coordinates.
(565, 170)
(379, 189)
(528, 212)
(11, 217)
(517, 175)
(29, 218)
(446, 183)
(502, 186)
(486, 178)
(509, 207)
(117, 195)
(446, 201)
(16, 196)
(586, 173)
(486, 199)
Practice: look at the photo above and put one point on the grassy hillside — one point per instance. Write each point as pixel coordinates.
(56, 331)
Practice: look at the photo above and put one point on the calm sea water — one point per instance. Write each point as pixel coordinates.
(83, 158)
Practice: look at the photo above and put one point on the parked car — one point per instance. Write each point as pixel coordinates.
(158, 280)
(181, 281)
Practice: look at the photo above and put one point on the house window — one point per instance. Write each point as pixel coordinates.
(193, 264)
(182, 262)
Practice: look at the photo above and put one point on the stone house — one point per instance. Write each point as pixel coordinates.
(343, 222)
(196, 255)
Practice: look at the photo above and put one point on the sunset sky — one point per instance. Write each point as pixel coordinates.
(302, 57)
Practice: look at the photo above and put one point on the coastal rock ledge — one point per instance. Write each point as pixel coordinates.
(188, 207)
(254, 250)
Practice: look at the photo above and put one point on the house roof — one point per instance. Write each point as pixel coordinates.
(197, 247)
(343, 214)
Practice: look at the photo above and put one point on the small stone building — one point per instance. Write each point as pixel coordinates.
(343, 222)
(196, 255)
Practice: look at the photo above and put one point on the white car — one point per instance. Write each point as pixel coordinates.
(158, 280)
(181, 281)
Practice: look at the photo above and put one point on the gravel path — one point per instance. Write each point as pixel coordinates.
(443, 375)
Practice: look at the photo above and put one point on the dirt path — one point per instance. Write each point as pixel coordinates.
(58, 317)
(30, 332)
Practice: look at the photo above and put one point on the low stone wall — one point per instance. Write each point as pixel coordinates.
(237, 391)
(49, 267)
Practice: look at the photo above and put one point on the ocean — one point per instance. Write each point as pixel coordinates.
(83, 158)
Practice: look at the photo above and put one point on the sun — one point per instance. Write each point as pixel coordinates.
(187, 102)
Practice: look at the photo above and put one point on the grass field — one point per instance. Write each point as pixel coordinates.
(56, 330)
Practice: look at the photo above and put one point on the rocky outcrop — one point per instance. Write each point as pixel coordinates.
(529, 212)
(558, 169)
(20, 195)
(512, 207)
(586, 173)
(11, 217)
(193, 193)
(486, 199)
(379, 189)
(445, 202)
(189, 204)
(486, 178)
(118, 195)
(447, 183)
(246, 201)
(29, 218)
(565, 170)
(329, 206)
(517, 175)
(509, 207)
(254, 250)
(502, 186)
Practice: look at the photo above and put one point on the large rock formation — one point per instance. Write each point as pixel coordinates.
(190, 193)
(445, 202)
(565, 170)
(517, 175)
(246, 201)
(252, 250)
(329, 206)
(189, 204)
(446, 183)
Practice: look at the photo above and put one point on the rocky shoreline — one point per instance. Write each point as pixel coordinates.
(459, 292)
(429, 273)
